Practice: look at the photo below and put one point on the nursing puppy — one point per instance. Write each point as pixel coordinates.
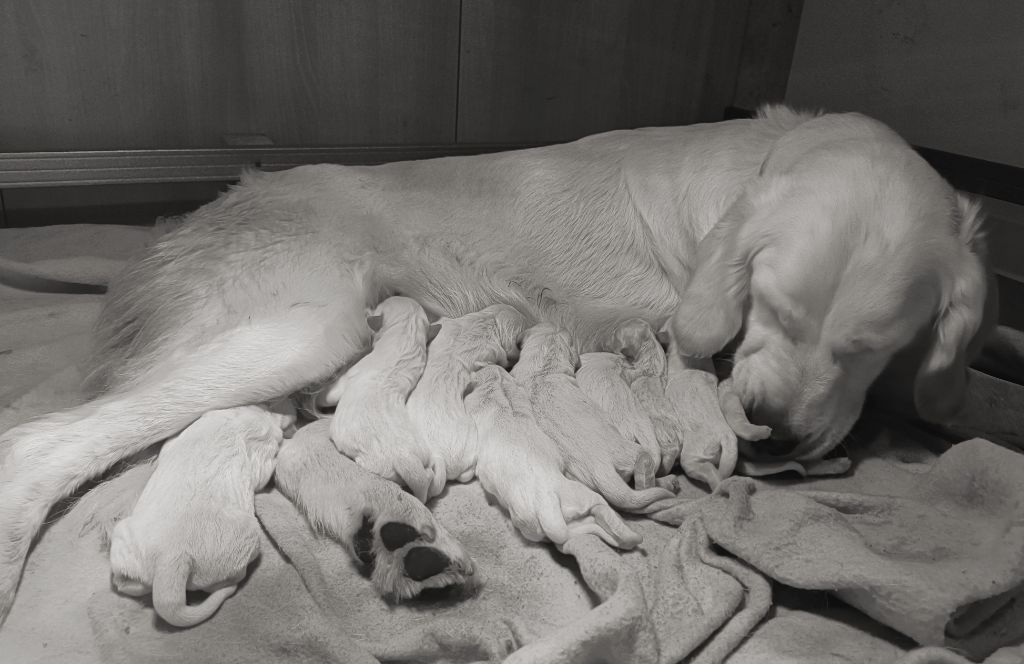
(371, 424)
(436, 406)
(194, 526)
(825, 241)
(523, 468)
(590, 448)
(602, 379)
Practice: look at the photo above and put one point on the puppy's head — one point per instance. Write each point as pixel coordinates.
(844, 250)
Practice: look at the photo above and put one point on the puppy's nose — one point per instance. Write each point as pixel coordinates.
(778, 445)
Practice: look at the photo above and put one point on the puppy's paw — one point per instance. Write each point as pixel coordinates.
(710, 447)
(650, 393)
(590, 448)
(736, 416)
(385, 529)
(543, 504)
(391, 449)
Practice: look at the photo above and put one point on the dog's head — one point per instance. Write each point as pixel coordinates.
(845, 249)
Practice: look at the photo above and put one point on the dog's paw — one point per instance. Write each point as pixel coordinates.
(407, 561)
(385, 529)
(402, 544)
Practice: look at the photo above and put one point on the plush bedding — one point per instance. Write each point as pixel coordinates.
(920, 544)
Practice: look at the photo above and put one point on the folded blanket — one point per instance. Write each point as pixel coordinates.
(923, 537)
(937, 555)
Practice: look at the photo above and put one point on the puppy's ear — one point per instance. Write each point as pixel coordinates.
(375, 322)
(968, 314)
(711, 310)
(630, 336)
(663, 338)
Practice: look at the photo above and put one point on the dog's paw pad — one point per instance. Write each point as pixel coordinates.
(394, 535)
(423, 562)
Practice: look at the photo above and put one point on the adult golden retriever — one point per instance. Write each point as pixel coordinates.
(825, 241)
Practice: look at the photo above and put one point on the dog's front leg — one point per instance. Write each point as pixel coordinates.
(382, 527)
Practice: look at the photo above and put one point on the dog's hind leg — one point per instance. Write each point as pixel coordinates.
(261, 359)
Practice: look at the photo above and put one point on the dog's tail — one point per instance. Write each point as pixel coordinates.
(29, 277)
(169, 601)
(47, 459)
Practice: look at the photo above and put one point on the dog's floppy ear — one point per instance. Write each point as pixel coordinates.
(968, 313)
(711, 310)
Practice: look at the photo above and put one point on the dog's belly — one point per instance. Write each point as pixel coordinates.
(575, 252)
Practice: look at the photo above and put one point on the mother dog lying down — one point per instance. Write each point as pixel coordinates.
(822, 244)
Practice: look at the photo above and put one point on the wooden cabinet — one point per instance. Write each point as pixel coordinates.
(157, 74)
(149, 98)
(117, 74)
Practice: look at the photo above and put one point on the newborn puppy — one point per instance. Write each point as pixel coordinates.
(371, 424)
(194, 526)
(379, 524)
(593, 450)
(602, 379)
(668, 430)
(462, 346)
(709, 444)
(644, 350)
(521, 467)
(647, 378)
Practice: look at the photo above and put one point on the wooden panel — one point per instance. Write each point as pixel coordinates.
(533, 70)
(768, 44)
(942, 73)
(105, 74)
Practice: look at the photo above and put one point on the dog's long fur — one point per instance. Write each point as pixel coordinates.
(815, 235)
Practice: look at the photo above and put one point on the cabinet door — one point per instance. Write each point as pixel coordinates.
(109, 74)
(536, 70)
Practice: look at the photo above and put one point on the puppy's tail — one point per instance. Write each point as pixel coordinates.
(169, 601)
(614, 489)
(47, 459)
